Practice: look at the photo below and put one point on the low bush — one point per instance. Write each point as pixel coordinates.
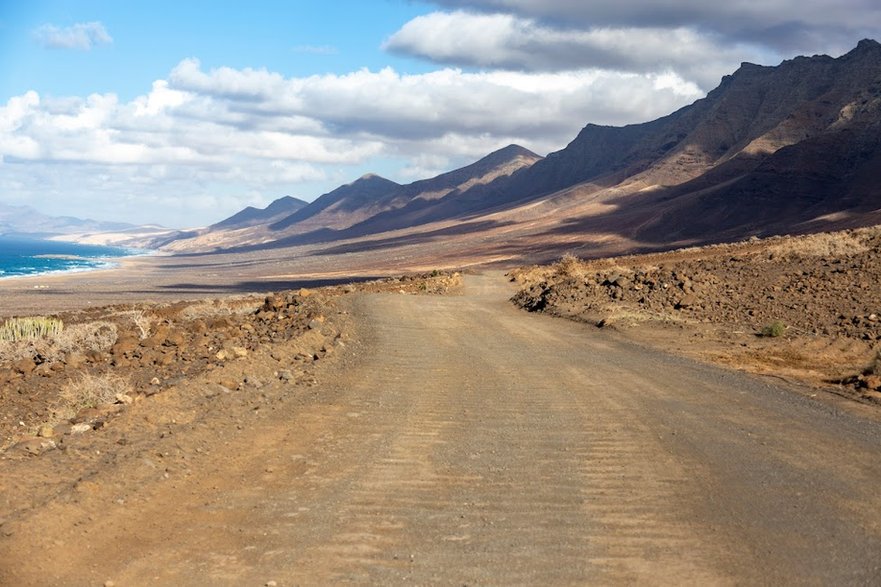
(142, 323)
(212, 309)
(89, 336)
(568, 264)
(91, 391)
(823, 244)
(774, 329)
(874, 367)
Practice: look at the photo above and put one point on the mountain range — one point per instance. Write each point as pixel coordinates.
(25, 221)
(369, 205)
(773, 149)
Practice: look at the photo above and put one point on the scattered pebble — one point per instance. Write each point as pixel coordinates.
(80, 428)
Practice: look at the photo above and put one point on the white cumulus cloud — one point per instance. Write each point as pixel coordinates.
(393, 106)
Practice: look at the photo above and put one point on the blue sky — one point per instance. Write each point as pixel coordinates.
(295, 38)
(184, 112)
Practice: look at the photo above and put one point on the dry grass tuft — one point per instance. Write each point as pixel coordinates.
(90, 336)
(14, 351)
(90, 391)
(212, 309)
(874, 367)
(569, 266)
(141, 322)
(824, 244)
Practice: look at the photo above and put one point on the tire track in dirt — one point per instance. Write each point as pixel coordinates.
(466, 442)
(500, 473)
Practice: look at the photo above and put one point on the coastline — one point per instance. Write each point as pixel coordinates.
(176, 276)
(99, 264)
(120, 281)
(169, 277)
(24, 259)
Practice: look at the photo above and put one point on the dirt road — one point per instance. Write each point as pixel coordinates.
(465, 442)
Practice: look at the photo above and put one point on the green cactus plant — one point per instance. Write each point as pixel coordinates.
(29, 328)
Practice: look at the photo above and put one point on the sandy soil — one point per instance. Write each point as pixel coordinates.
(450, 245)
(136, 350)
(805, 309)
(454, 440)
(366, 434)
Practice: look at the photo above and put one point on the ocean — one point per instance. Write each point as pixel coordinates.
(21, 256)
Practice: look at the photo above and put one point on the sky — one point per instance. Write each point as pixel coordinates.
(183, 113)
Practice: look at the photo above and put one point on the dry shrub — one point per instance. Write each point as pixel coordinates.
(454, 282)
(90, 391)
(201, 310)
(441, 283)
(874, 367)
(90, 336)
(868, 232)
(141, 322)
(616, 316)
(14, 351)
(824, 244)
(568, 265)
(531, 274)
(212, 309)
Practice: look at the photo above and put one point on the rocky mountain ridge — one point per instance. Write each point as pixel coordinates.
(773, 149)
(354, 208)
(250, 216)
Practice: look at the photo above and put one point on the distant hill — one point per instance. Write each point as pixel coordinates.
(25, 221)
(251, 216)
(784, 149)
(344, 211)
(387, 203)
(342, 205)
(812, 160)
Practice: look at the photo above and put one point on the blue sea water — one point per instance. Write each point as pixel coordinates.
(21, 256)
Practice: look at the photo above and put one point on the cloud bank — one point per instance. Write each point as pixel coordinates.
(697, 40)
(505, 41)
(214, 141)
(782, 25)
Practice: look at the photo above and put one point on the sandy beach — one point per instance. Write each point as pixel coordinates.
(164, 277)
(149, 279)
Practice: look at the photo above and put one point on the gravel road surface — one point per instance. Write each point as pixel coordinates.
(463, 441)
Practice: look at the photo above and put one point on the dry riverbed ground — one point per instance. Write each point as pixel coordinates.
(805, 309)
